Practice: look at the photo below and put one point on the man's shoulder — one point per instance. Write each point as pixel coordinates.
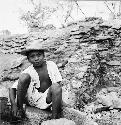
(28, 69)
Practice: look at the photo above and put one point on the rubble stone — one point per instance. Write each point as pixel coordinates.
(61, 121)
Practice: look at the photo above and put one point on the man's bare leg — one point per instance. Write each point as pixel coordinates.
(22, 88)
(55, 96)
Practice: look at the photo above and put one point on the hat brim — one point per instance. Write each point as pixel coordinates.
(25, 52)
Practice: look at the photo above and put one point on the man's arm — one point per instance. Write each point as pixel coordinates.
(12, 95)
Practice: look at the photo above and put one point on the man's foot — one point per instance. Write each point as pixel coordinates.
(21, 115)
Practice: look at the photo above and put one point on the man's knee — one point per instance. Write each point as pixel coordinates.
(55, 92)
(24, 80)
(56, 89)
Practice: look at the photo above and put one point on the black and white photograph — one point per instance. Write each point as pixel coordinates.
(60, 62)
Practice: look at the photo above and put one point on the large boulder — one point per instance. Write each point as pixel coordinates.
(61, 121)
(110, 98)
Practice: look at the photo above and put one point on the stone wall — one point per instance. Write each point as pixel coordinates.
(85, 52)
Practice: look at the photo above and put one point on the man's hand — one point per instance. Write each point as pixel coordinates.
(14, 110)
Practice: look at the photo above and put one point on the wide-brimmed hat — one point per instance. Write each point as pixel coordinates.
(34, 45)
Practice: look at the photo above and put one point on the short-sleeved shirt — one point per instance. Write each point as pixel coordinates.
(53, 72)
(34, 97)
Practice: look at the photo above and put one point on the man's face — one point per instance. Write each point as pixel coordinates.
(36, 57)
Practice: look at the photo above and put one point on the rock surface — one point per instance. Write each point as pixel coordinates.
(61, 121)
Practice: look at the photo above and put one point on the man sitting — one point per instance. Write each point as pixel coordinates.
(39, 84)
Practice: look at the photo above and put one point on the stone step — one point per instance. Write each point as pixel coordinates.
(37, 116)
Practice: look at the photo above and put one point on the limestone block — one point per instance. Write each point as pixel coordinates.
(114, 63)
(104, 98)
(3, 91)
(77, 116)
(83, 68)
(61, 121)
(36, 115)
(72, 60)
(110, 99)
(87, 56)
(6, 60)
(80, 75)
(68, 97)
(76, 84)
(17, 62)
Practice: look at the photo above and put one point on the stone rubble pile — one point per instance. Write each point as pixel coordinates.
(68, 47)
(13, 43)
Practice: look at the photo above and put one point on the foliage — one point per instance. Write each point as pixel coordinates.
(40, 14)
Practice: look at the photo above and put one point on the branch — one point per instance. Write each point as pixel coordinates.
(108, 7)
(119, 7)
(79, 7)
(68, 14)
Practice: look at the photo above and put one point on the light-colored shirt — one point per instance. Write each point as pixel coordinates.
(53, 72)
(35, 98)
